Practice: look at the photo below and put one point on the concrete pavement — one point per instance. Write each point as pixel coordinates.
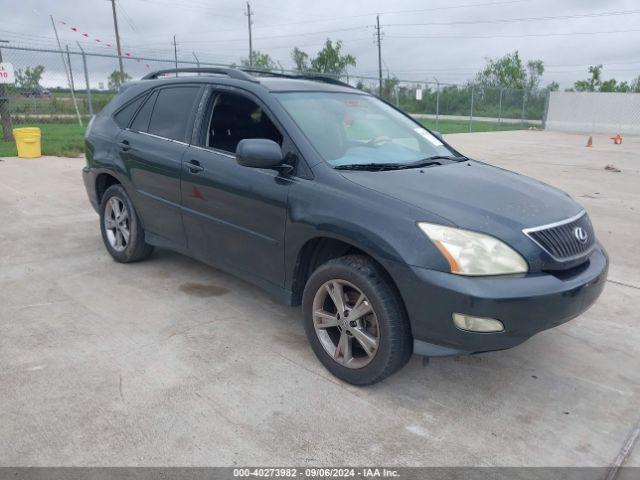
(171, 362)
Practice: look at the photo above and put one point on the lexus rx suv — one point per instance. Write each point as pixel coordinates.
(392, 241)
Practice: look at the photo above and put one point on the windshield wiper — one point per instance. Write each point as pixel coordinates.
(371, 166)
(461, 158)
(378, 167)
(433, 160)
(425, 162)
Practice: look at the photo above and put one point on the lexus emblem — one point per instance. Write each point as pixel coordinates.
(580, 234)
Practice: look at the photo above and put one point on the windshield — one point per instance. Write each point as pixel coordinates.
(356, 129)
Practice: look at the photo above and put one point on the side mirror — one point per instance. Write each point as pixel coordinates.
(259, 153)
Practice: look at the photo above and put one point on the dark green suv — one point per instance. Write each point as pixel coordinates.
(393, 242)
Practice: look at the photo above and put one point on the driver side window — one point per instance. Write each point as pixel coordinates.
(236, 118)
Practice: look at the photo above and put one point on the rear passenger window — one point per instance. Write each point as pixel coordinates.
(141, 122)
(172, 112)
(124, 116)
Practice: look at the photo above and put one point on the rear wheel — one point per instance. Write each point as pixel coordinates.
(355, 320)
(121, 230)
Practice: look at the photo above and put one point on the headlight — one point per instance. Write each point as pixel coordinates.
(472, 253)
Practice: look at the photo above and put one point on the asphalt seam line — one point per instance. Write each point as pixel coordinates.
(623, 284)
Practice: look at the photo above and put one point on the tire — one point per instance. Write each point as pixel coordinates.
(359, 359)
(122, 248)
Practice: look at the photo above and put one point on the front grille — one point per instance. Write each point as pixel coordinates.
(566, 240)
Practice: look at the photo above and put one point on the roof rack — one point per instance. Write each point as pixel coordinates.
(231, 72)
(300, 76)
(244, 74)
(324, 78)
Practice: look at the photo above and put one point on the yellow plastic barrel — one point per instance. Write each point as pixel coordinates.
(28, 142)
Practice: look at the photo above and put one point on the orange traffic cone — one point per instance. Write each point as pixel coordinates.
(590, 141)
(617, 139)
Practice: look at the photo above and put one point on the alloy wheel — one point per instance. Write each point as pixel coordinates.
(116, 224)
(346, 324)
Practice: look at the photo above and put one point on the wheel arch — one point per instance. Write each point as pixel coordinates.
(320, 249)
(103, 181)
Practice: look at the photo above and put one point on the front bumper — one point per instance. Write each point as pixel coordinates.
(525, 304)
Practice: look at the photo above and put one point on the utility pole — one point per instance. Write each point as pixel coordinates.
(249, 23)
(175, 53)
(115, 26)
(379, 43)
(5, 114)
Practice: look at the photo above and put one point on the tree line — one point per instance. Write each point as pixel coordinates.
(507, 72)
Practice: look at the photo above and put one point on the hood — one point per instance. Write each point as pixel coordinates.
(473, 195)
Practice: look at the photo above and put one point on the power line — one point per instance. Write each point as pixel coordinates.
(304, 34)
(548, 68)
(523, 19)
(189, 6)
(127, 18)
(304, 45)
(289, 12)
(452, 7)
(551, 34)
(46, 40)
(394, 12)
(269, 37)
(453, 70)
(131, 23)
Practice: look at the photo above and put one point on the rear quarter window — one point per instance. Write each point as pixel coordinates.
(124, 116)
(141, 122)
(172, 112)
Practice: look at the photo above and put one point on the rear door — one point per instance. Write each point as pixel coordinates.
(235, 216)
(152, 149)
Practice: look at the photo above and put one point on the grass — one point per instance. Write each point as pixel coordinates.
(66, 139)
(462, 126)
(60, 103)
(59, 139)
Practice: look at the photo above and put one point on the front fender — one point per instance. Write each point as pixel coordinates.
(380, 226)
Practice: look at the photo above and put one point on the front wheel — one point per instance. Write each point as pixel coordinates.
(355, 320)
(122, 233)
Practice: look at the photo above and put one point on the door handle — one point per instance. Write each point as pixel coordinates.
(125, 146)
(194, 166)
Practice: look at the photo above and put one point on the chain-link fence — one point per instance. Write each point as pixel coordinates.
(67, 86)
(453, 108)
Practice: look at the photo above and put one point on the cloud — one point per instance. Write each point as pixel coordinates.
(217, 32)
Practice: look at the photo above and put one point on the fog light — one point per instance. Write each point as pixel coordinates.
(477, 324)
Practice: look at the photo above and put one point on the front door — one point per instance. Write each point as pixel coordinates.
(235, 216)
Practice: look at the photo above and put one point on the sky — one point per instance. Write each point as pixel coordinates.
(422, 39)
